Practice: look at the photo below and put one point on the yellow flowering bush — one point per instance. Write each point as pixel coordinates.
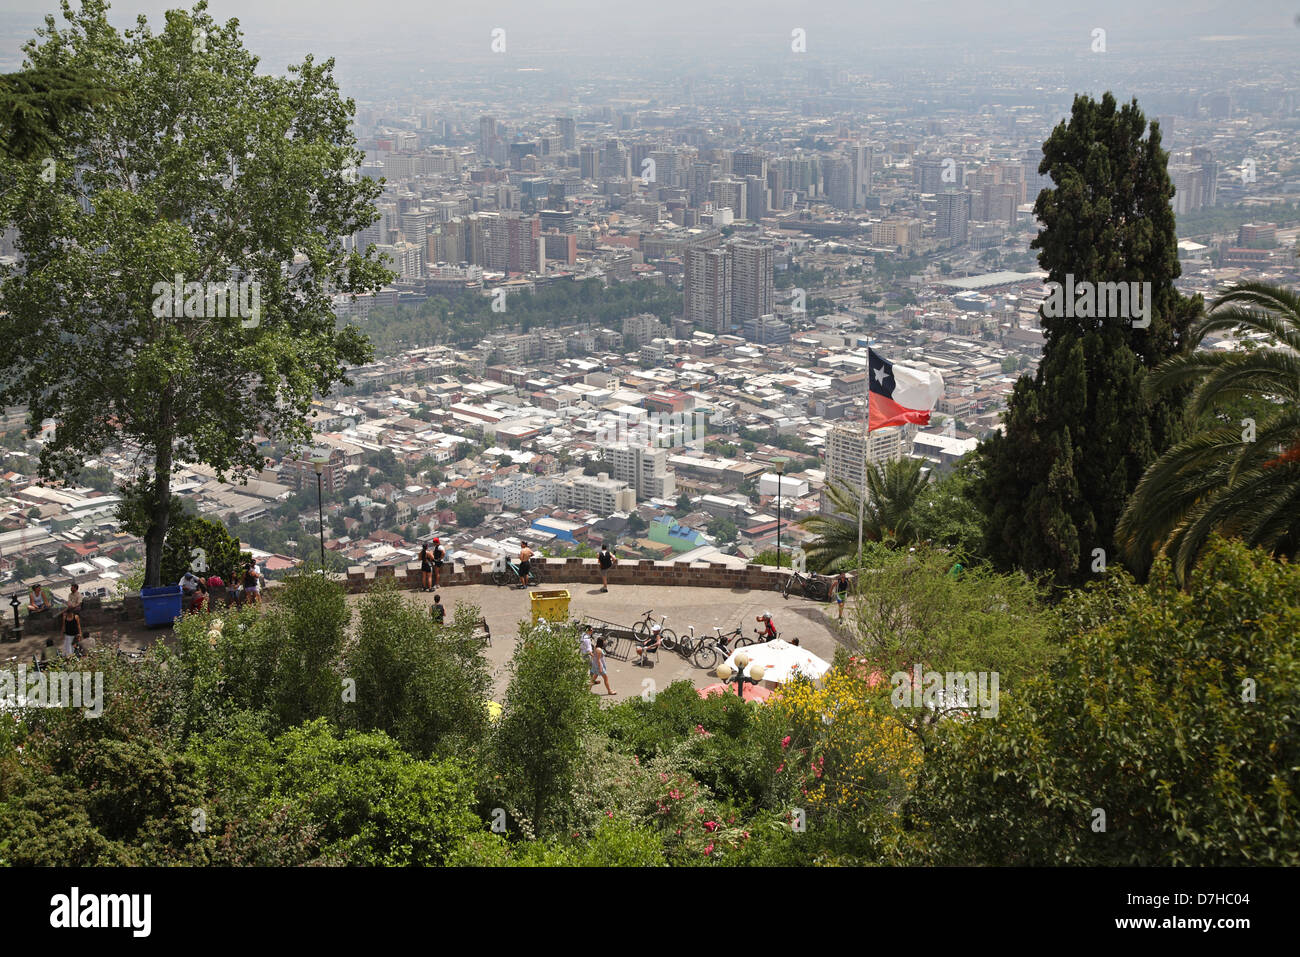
(855, 758)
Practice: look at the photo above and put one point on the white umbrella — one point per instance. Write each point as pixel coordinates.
(781, 660)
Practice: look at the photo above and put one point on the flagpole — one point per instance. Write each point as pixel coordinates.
(862, 492)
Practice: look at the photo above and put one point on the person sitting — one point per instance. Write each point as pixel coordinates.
(40, 601)
(200, 599)
(189, 585)
(768, 631)
(651, 644)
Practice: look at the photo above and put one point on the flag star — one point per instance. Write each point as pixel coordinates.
(880, 374)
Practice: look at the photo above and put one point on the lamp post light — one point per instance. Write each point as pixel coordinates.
(18, 628)
(780, 471)
(755, 675)
(319, 464)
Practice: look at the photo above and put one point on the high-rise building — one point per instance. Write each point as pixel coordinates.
(729, 193)
(588, 161)
(849, 453)
(707, 289)
(567, 127)
(860, 161)
(753, 291)
(837, 182)
(702, 174)
(643, 468)
(487, 135)
(748, 163)
(512, 242)
(952, 216)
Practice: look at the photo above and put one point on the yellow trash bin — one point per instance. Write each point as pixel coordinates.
(551, 604)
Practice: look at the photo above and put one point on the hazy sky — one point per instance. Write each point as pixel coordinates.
(567, 26)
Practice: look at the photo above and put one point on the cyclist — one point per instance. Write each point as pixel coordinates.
(651, 643)
(768, 631)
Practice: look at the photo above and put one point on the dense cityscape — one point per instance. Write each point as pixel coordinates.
(966, 340)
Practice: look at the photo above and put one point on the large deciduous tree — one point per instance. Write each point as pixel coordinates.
(1080, 433)
(201, 169)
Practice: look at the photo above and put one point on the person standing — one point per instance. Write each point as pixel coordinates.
(598, 665)
(71, 630)
(253, 582)
(525, 559)
(841, 592)
(607, 561)
(587, 650)
(439, 556)
(426, 568)
(438, 610)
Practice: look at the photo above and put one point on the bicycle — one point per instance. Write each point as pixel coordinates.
(811, 586)
(709, 652)
(510, 574)
(641, 631)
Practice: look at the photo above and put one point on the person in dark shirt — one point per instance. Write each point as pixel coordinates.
(426, 568)
(438, 610)
(607, 561)
(439, 556)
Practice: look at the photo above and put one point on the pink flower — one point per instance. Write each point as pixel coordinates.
(708, 850)
(609, 814)
(785, 742)
(675, 794)
(710, 826)
(780, 768)
(663, 776)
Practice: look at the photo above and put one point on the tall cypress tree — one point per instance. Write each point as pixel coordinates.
(1079, 433)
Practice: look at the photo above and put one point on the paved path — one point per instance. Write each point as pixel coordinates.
(811, 622)
(504, 606)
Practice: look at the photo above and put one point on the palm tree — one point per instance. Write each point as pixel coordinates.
(892, 491)
(1240, 478)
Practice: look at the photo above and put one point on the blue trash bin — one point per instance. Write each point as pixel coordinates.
(162, 605)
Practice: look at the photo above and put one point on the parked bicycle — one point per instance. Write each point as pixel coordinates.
(710, 651)
(641, 630)
(810, 586)
(510, 574)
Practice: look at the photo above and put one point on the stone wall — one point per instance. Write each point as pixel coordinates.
(97, 614)
(586, 571)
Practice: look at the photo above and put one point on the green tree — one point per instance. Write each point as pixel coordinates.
(218, 552)
(538, 737)
(1080, 433)
(893, 490)
(722, 529)
(424, 686)
(1237, 476)
(38, 103)
(1172, 712)
(206, 169)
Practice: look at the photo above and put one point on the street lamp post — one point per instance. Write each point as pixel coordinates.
(319, 463)
(755, 675)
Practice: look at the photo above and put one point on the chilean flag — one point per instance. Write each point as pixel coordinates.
(900, 394)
